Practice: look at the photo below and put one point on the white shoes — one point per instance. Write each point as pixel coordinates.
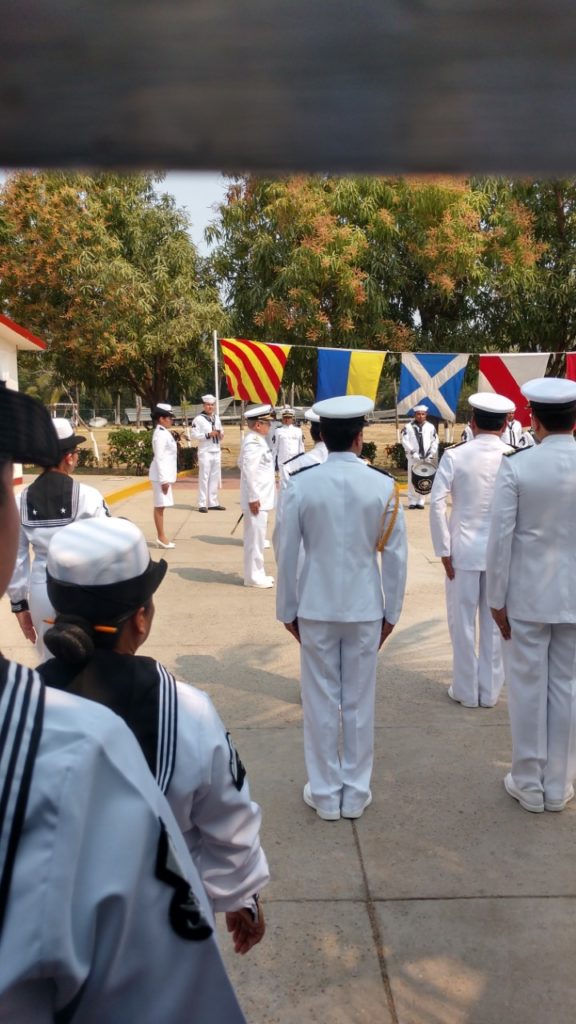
(325, 815)
(462, 702)
(533, 802)
(264, 584)
(161, 544)
(266, 544)
(358, 813)
(559, 805)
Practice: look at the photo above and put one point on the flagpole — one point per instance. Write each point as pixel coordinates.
(216, 391)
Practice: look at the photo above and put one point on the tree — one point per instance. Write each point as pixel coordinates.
(103, 268)
(368, 262)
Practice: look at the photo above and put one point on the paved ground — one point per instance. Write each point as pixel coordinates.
(446, 903)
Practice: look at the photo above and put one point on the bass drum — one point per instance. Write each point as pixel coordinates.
(423, 474)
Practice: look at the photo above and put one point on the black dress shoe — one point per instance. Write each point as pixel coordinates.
(217, 508)
(202, 509)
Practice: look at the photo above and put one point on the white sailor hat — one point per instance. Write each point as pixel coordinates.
(488, 401)
(556, 391)
(311, 416)
(421, 408)
(259, 412)
(162, 409)
(67, 439)
(287, 411)
(100, 568)
(208, 399)
(346, 407)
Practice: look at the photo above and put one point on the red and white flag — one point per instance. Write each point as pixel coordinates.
(571, 365)
(505, 375)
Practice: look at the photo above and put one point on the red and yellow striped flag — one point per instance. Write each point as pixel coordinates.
(253, 370)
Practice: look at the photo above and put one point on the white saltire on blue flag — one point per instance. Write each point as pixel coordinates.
(431, 379)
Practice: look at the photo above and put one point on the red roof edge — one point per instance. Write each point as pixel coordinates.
(22, 332)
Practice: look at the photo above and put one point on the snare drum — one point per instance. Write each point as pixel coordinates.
(423, 473)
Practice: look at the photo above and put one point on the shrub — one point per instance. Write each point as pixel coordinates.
(86, 458)
(131, 449)
(369, 451)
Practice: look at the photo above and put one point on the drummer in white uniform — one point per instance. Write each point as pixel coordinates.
(163, 469)
(45, 506)
(257, 494)
(345, 604)
(102, 914)
(207, 431)
(102, 581)
(420, 442)
(466, 474)
(531, 573)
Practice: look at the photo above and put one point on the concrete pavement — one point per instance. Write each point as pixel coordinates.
(446, 903)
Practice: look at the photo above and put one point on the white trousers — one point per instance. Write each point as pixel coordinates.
(477, 678)
(40, 610)
(541, 676)
(338, 671)
(414, 497)
(254, 537)
(209, 478)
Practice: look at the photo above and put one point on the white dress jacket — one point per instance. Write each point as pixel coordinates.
(531, 559)
(338, 509)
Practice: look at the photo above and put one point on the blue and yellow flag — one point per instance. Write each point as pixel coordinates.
(348, 372)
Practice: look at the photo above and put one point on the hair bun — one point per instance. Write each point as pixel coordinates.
(71, 640)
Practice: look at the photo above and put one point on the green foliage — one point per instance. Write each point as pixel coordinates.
(396, 456)
(86, 459)
(131, 449)
(369, 451)
(187, 458)
(103, 269)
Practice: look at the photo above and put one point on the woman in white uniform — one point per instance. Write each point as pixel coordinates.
(163, 469)
(101, 581)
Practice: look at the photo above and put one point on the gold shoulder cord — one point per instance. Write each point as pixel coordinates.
(386, 531)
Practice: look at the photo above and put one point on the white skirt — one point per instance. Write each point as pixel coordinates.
(161, 500)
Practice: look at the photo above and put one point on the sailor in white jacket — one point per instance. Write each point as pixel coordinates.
(257, 494)
(313, 457)
(288, 441)
(163, 469)
(344, 605)
(101, 581)
(102, 913)
(531, 583)
(207, 431)
(420, 441)
(513, 430)
(466, 474)
(45, 506)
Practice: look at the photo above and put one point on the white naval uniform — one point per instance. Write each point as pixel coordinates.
(209, 458)
(314, 457)
(288, 441)
(164, 466)
(195, 765)
(410, 444)
(88, 936)
(531, 570)
(28, 580)
(256, 484)
(339, 510)
(512, 433)
(467, 474)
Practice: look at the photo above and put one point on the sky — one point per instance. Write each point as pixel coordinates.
(197, 193)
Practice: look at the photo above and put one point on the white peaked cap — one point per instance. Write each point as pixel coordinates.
(488, 401)
(98, 551)
(346, 407)
(421, 408)
(208, 399)
(550, 391)
(287, 411)
(311, 416)
(258, 412)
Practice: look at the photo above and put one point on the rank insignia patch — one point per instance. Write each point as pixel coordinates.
(237, 769)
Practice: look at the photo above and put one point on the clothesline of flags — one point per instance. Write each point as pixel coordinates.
(254, 372)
